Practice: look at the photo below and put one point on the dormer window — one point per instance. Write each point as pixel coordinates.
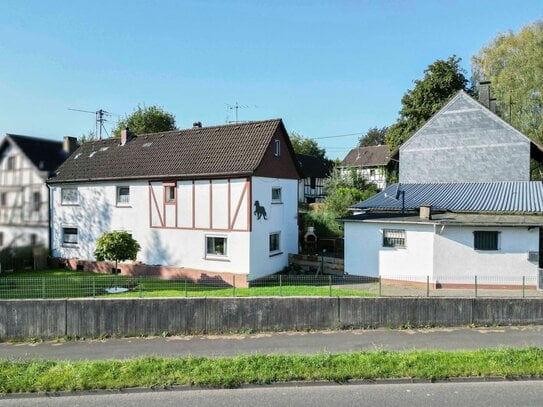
(277, 148)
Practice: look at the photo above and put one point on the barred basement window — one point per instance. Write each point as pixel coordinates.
(69, 235)
(393, 238)
(485, 240)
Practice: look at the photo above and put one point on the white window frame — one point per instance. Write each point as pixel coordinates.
(394, 231)
(118, 195)
(277, 147)
(63, 201)
(64, 234)
(218, 256)
(167, 198)
(280, 198)
(278, 249)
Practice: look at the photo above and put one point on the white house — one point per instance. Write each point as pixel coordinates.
(465, 207)
(373, 163)
(25, 164)
(216, 202)
(449, 233)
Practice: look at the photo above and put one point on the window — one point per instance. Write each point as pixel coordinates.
(312, 182)
(1, 238)
(215, 246)
(36, 201)
(69, 235)
(33, 239)
(372, 173)
(275, 242)
(276, 195)
(69, 196)
(170, 193)
(123, 195)
(3, 199)
(277, 148)
(483, 240)
(393, 238)
(11, 163)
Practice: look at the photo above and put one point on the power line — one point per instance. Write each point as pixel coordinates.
(339, 135)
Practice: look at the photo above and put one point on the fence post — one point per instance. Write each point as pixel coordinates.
(330, 284)
(140, 288)
(280, 285)
(380, 286)
(427, 286)
(43, 287)
(93, 286)
(523, 285)
(475, 286)
(234, 285)
(186, 292)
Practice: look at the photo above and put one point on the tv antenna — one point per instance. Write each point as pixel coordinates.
(235, 107)
(101, 115)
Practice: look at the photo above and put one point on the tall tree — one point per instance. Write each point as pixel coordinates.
(442, 79)
(146, 119)
(514, 65)
(375, 136)
(305, 145)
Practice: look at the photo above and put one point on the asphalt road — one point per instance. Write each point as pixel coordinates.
(275, 343)
(496, 394)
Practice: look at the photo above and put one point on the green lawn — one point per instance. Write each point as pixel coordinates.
(32, 376)
(60, 283)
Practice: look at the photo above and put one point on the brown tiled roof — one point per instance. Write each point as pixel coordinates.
(311, 166)
(234, 149)
(367, 156)
(46, 155)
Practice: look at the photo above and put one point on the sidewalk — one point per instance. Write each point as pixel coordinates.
(275, 343)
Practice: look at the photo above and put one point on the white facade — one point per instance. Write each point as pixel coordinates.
(444, 254)
(176, 230)
(23, 201)
(376, 175)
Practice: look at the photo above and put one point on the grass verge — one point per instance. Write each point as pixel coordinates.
(35, 376)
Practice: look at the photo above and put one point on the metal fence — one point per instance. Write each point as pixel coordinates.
(84, 284)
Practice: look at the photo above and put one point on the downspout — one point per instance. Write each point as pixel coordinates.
(49, 223)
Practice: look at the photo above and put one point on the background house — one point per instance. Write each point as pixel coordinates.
(374, 164)
(207, 201)
(25, 164)
(465, 207)
(314, 172)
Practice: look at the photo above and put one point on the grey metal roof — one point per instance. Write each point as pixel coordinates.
(506, 196)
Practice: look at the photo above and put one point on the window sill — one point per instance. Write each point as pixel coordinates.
(69, 204)
(123, 206)
(273, 254)
(277, 203)
(224, 259)
(70, 245)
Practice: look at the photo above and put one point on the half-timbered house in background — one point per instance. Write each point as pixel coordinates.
(314, 171)
(207, 201)
(25, 164)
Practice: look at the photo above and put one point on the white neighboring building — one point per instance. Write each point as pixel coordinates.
(25, 164)
(373, 163)
(488, 230)
(206, 202)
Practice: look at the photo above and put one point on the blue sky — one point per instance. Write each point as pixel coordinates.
(327, 68)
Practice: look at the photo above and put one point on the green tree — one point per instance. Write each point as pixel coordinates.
(145, 119)
(305, 145)
(342, 191)
(86, 137)
(116, 246)
(442, 79)
(514, 65)
(375, 136)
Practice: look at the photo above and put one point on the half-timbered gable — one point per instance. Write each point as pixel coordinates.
(206, 199)
(25, 164)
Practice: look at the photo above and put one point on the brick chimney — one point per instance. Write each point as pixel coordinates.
(126, 136)
(425, 212)
(484, 93)
(69, 144)
(197, 125)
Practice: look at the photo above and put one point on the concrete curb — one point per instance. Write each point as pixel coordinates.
(318, 383)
